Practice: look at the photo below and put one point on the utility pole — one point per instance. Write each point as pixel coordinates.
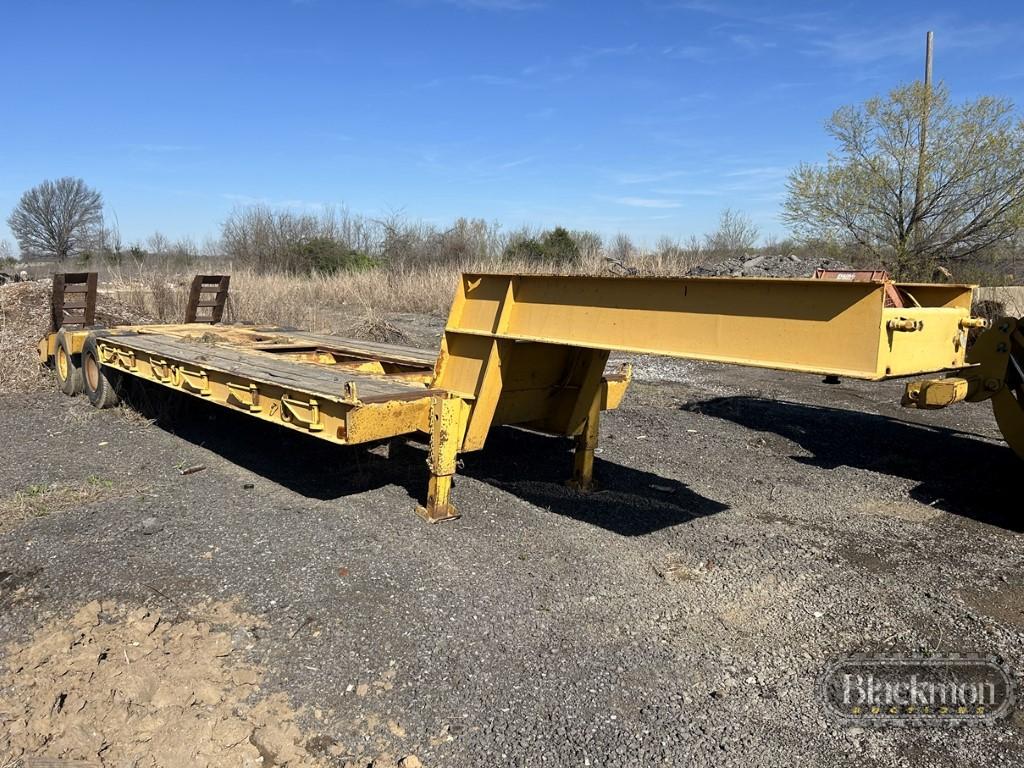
(922, 151)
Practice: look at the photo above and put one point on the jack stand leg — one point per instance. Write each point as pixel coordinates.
(447, 425)
(586, 442)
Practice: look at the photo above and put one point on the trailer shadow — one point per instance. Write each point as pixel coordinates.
(312, 468)
(954, 471)
(528, 465)
(626, 501)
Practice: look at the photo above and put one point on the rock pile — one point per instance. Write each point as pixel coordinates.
(776, 265)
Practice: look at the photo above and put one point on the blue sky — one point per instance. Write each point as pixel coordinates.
(641, 117)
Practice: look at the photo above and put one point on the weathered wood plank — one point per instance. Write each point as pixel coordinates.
(264, 367)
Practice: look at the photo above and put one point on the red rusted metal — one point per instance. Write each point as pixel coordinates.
(893, 298)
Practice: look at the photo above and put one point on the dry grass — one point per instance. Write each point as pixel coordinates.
(39, 500)
(316, 301)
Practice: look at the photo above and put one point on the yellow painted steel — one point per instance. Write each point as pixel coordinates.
(936, 393)
(532, 350)
(815, 326)
(338, 419)
(995, 372)
(447, 425)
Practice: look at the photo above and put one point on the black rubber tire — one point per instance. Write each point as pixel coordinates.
(67, 366)
(102, 385)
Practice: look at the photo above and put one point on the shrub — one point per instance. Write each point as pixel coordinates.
(327, 256)
(556, 247)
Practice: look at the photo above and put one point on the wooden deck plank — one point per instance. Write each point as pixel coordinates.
(397, 353)
(266, 368)
(389, 352)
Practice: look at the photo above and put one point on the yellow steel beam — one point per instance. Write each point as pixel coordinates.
(816, 326)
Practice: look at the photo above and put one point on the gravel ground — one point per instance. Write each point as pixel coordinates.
(750, 525)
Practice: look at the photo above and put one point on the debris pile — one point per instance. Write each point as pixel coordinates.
(776, 265)
(117, 686)
(25, 319)
(375, 327)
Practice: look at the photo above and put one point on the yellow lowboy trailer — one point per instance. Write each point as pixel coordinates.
(531, 350)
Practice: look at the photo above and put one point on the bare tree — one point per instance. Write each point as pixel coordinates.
(56, 217)
(736, 233)
(621, 248)
(5, 251)
(158, 244)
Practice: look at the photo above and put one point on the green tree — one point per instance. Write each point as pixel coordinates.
(556, 246)
(973, 180)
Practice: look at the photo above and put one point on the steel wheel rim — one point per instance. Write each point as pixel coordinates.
(62, 363)
(92, 372)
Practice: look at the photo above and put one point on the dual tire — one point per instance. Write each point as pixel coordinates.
(68, 366)
(85, 373)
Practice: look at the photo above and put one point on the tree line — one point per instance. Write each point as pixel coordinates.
(877, 199)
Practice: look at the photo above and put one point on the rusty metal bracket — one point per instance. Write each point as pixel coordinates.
(123, 358)
(161, 370)
(292, 411)
(187, 379)
(238, 392)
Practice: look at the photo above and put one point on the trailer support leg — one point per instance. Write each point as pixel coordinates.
(447, 427)
(586, 442)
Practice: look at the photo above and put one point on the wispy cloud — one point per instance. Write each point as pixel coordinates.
(496, 80)
(583, 59)
(309, 205)
(876, 45)
(647, 202)
(539, 75)
(700, 53)
(798, 21)
(162, 149)
(497, 5)
(751, 43)
(648, 177)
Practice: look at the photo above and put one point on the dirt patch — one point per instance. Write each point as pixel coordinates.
(120, 686)
(39, 500)
(904, 510)
(1004, 604)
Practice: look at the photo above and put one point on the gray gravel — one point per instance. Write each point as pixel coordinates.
(750, 526)
(767, 265)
